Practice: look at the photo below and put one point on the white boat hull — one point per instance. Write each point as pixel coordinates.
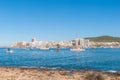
(44, 48)
(77, 49)
(9, 51)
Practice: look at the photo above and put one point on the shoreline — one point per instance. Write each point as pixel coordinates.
(20, 73)
(62, 48)
(58, 68)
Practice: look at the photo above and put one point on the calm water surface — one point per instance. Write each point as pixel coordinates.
(98, 59)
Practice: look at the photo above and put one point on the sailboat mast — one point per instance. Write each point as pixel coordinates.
(76, 41)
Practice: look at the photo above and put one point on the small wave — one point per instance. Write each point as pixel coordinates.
(28, 67)
(112, 71)
(53, 68)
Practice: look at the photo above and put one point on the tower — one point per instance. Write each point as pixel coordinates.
(33, 40)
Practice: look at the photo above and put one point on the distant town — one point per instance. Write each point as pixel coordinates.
(98, 42)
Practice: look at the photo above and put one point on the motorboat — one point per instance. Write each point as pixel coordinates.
(8, 50)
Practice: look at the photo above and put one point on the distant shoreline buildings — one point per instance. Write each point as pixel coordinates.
(51, 44)
(81, 42)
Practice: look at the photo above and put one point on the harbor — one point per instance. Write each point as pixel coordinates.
(66, 64)
(105, 59)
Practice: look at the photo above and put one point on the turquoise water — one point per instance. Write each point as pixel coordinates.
(98, 59)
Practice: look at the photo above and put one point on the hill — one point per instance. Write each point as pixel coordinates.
(104, 39)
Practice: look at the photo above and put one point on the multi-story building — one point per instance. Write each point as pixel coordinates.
(20, 44)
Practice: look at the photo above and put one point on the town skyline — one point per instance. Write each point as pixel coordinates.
(89, 42)
(57, 41)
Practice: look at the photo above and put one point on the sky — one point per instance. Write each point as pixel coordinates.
(57, 20)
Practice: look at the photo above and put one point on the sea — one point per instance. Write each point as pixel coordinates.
(105, 59)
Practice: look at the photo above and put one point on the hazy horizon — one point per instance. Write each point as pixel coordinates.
(56, 20)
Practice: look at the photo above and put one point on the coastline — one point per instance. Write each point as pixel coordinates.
(20, 73)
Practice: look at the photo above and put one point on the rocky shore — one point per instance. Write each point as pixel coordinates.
(13, 73)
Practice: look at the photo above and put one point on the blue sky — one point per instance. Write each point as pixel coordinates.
(21, 20)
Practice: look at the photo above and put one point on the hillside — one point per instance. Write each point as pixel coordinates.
(104, 39)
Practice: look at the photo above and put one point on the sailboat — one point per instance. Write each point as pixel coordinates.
(76, 48)
(44, 48)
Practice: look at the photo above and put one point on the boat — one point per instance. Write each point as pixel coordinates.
(77, 49)
(57, 47)
(44, 48)
(8, 50)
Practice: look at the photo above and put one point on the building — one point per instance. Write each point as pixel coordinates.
(21, 44)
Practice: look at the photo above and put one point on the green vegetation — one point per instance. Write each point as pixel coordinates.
(104, 39)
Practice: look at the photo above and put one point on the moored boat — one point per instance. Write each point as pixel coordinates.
(44, 48)
(8, 50)
(77, 49)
